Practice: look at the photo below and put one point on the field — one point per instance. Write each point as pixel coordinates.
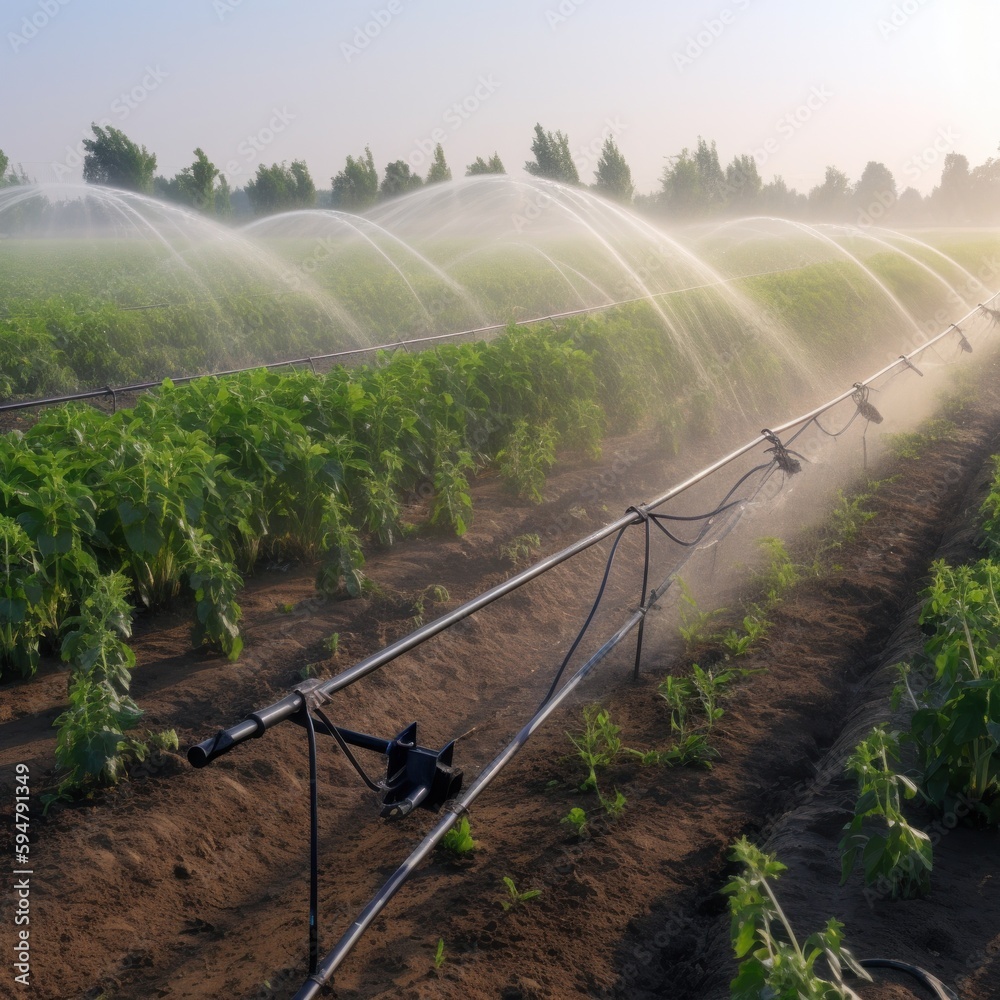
(302, 520)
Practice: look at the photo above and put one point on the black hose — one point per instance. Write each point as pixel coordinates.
(925, 978)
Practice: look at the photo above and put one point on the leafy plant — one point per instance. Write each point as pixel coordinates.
(439, 954)
(755, 628)
(332, 643)
(892, 852)
(577, 819)
(515, 898)
(849, 516)
(694, 625)
(774, 964)
(526, 457)
(458, 840)
(597, 744)
(520, 548)
(435, 593)
(614, 807)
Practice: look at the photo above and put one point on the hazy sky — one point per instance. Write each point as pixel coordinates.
(800, 84)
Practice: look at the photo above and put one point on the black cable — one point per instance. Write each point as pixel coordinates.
(313, 846)
(586, 624)
(335, 733)
(924, 977)
(833, 434)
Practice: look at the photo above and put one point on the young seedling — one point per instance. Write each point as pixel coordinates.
(515, 898)
(694, 625)
(577, 819)
(774, 964)
(458, 840)
(598, 744)
(613, 807)
(439, 954)
(521, 548)
(332, 643)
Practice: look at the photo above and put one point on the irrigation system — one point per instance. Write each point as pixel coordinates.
(421, 777)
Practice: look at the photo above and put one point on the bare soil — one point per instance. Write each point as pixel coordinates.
(193, 884)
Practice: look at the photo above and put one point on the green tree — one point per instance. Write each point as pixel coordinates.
(875, 193)
(613, 178)
(439, 171)
(831, 200)
(493, 165)
(16, 175)
(355, 188)
(223, 199)
(952, 198)
(743, 185)
(552, 157)
(693, 184)
(113, 160)
(281, 188)
(398, 179)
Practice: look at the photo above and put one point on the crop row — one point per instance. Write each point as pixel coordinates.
(197, 483)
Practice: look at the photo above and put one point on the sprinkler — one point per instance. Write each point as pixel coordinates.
(909, 364)
(993, 314)
(962, 342)
(866, 409)
(782, 456)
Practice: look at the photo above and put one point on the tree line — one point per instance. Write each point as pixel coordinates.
(694, 185)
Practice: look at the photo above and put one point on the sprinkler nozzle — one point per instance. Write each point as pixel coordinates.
(866, 409)
(962, 342)
(782, 456)
(909, 364)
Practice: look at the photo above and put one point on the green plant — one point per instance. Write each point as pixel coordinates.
(780, 574)
(956, 726)
(614, 807)
(332, 643)
(911, 444)
(597, 744)
(458, 840)
(892, 852)
(526, 457)
(433, 592)
(439, 954)
(774, 964)
(577, 819)
(849, 516)
(755, 628)
(694, 624)
(515, 898)
(520, 548)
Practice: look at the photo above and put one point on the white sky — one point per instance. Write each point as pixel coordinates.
(886, 80)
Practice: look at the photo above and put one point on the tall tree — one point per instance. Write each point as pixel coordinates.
(16, 176)
(875, 193)
(952, 198)
(223, 199)
(355, 188)
(831, 200)
(613, 178)
(439, 171)
(112, 159)
(280, 188)
(398, 179)
(693, 183)
(552, 157)
(193, 186)
(743, 185)
(494, 165)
